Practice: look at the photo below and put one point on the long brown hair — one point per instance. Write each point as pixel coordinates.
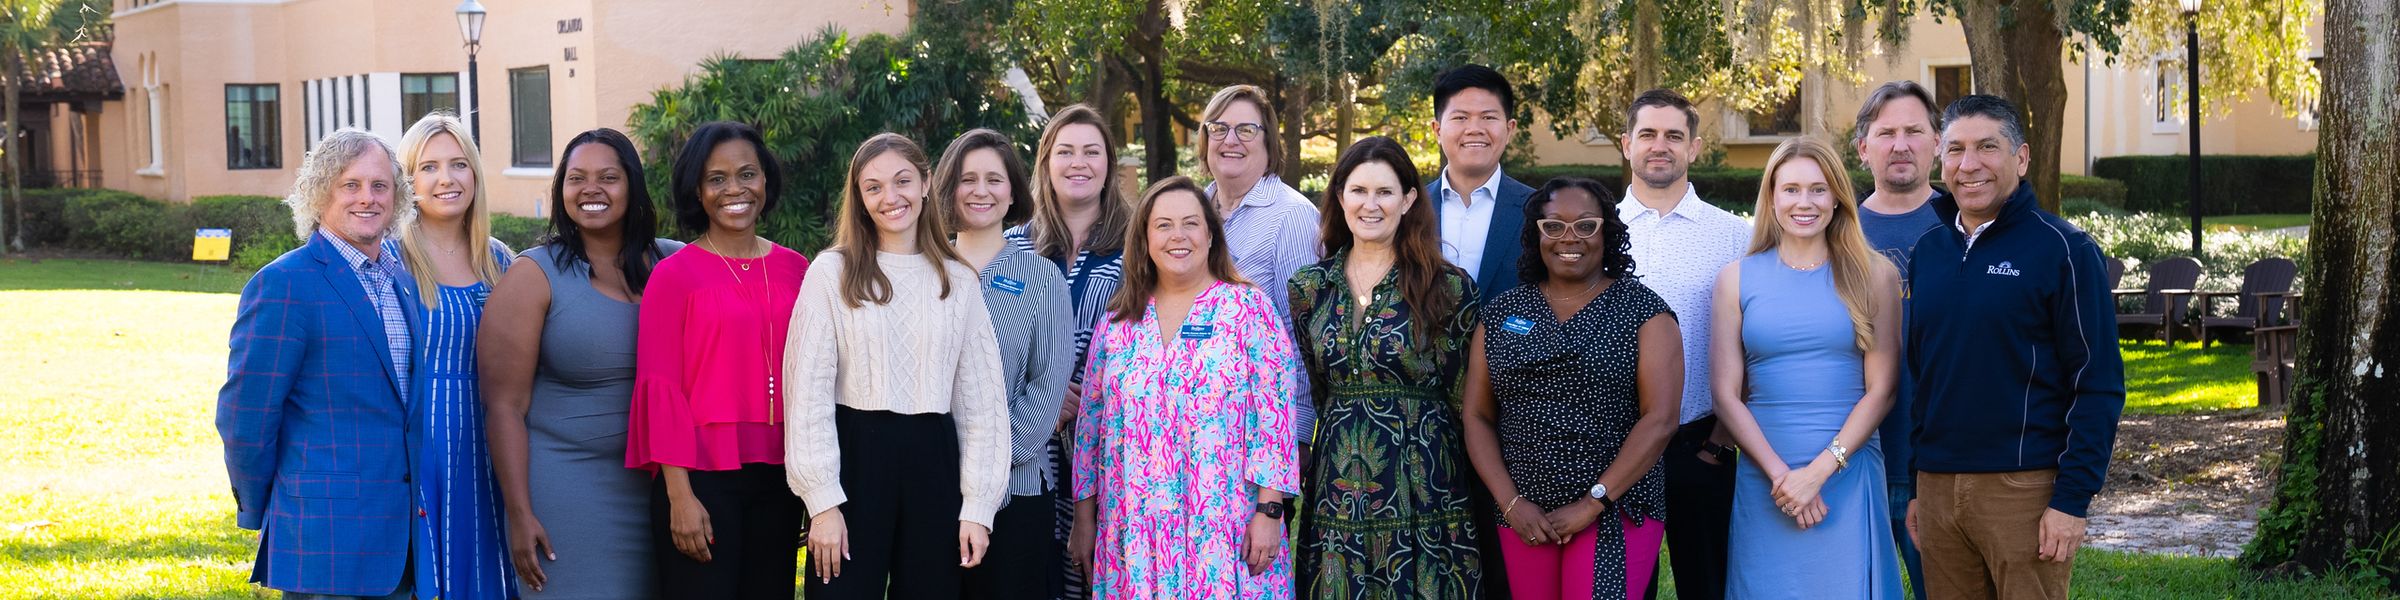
(854, 235)
(1140, 275)
(1847, 253)
(1051, 238)
(1417, 242)
(479, 212)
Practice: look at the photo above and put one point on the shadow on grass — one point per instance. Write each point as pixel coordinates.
(18, 273)
(176, 540)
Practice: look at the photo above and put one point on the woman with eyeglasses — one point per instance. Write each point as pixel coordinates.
(1572, 384)
(1270, 228)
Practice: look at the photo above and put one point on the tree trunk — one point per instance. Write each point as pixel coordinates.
(1291, 97)
(16, 163)
(1148, 44)
(2341, 471)
(2017, 49)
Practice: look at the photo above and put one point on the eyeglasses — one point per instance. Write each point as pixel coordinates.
(1556, 229)
(1247, 132)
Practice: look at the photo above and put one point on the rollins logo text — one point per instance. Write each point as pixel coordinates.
(2001, 269)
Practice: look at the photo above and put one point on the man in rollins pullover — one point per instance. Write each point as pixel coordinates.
(2012, 343)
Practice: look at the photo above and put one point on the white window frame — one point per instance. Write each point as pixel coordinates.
(2163, 82)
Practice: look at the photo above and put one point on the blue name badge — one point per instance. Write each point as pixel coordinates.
(1012, 286)
(1199, 332)
(1517, 325)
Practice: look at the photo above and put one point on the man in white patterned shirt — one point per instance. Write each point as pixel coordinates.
(1679, 244)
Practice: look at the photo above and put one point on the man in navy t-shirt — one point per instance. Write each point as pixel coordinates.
(1895, 138)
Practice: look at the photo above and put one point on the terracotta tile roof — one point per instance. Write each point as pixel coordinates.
(73, 71)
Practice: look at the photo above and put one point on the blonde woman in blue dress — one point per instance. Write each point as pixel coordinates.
(1806, 358)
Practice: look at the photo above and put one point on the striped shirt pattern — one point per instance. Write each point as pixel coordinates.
(1032, 319)
(376, 274)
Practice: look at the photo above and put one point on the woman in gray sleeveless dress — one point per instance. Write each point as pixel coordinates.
(557, 372)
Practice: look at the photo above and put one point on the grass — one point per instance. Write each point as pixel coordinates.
(2253, 222)
(2133, 576)
(113, 488)
(2160, 380)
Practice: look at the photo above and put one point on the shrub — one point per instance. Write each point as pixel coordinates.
(519, 232)
(2229, 184)
(253, 219)
(259, 251)
(2143, 238)
(818, 100)
(126, 224)
(45, 216)
(2097, 190)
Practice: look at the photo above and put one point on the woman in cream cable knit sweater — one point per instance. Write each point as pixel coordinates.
(897, 418)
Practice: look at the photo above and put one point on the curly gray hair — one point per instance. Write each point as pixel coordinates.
(312, 190)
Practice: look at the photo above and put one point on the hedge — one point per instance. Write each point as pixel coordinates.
(1736, 190)
(2230, 185)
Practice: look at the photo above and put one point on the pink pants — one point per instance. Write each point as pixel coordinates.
(1565, 570)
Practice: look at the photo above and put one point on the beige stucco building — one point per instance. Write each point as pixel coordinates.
(224, 96)
(2111, 110)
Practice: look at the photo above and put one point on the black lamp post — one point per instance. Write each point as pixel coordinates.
(470, 27)
(2191, 83)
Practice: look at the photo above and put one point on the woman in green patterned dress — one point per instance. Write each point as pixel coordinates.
(1381, 323)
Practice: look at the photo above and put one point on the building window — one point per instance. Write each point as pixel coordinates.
(529, 116)
(1783, 119)
(1949, 84)
(253, 127)
(422, 94)
(2166, 86)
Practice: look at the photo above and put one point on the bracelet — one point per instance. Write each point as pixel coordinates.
(1512, 507)
(1841, 456)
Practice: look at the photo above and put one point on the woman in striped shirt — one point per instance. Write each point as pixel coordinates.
(1079, 215)
(980, 184)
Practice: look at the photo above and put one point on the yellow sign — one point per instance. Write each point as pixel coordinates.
(212, 244)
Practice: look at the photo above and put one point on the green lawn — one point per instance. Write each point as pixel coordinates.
(2186, 378)
(113, 487)
(2253, 222)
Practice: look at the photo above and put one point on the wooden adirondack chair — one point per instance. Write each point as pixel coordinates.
(2263, 284)
(2166, 298)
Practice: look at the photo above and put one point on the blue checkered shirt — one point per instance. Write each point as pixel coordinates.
(376, 276)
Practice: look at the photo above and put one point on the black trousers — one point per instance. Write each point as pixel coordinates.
(756, 521)
(1699, 513)
(901, 475)
(1023, 563)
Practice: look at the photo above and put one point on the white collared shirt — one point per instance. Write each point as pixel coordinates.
(1467, 221)
(1678, 254)
(1960, 222)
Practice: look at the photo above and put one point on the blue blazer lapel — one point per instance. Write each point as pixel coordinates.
(343, 280)
(1500, 243)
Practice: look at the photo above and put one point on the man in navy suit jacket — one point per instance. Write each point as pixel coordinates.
(1482, 211)
(317, 413)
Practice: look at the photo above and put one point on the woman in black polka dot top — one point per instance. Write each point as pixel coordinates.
(1572, 384)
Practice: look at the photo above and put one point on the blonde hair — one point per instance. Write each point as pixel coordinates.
(854, 231)
(1216, 107)
(312, 188)
(479, 216)
(1847, 253)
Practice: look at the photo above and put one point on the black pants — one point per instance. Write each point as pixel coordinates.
(901, 475)
(1023, 562)
(1699, 512)
(756, 521)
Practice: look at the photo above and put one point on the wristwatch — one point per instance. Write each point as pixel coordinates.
(1600, 492)
(1273, 510)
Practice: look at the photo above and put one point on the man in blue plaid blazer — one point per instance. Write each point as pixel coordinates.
(317, 414)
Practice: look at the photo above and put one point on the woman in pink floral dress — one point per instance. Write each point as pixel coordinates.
(1185, 452)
